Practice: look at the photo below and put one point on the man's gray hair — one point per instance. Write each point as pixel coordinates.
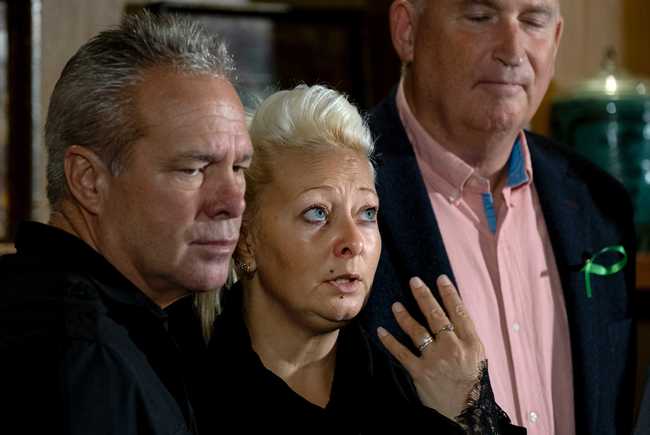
(93, 103)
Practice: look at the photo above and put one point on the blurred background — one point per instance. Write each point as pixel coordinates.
(599, 102)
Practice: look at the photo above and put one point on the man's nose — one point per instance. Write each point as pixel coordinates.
(510, 50)
(224, 196)
(350, 242)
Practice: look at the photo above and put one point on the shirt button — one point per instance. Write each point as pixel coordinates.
(532, 417)
(516, 327)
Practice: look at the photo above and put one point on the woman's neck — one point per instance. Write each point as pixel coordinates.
(305, 359)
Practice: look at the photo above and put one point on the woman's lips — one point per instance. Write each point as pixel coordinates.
(346, 283)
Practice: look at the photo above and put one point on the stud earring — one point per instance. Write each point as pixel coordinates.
(244, 267)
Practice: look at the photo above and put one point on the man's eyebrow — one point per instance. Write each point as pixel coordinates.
(209, 158)
(197, 156)
(543, 9)
(489, 3)
(539, 8)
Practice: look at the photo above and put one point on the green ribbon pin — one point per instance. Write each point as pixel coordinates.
(593, 268)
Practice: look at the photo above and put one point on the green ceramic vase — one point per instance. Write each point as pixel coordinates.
(607, 120)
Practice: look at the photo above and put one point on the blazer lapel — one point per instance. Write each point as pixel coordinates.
(408, 225)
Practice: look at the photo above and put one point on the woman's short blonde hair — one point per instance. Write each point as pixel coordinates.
(306, 119)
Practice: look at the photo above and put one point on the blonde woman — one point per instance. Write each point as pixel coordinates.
(287, 349)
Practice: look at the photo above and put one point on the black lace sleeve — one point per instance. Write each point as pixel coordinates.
(482, 415)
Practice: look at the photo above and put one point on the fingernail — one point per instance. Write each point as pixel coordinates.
(416, 282)
(444, 280)
(397, 307)
(382, 332)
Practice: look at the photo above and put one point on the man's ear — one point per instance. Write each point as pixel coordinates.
(559, 29)
(87, 177)
(403, 17)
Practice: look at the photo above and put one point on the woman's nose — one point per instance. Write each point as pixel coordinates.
(350, 243)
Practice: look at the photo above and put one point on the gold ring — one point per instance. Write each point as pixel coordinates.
(449, 327)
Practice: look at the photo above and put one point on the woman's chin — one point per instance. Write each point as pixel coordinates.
(345, 309)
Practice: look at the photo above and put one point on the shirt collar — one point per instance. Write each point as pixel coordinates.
(520, 169)
(447, 173)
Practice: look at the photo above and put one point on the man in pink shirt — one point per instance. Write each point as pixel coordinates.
(510, 216)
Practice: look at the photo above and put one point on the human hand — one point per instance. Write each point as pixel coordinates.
(450, 362)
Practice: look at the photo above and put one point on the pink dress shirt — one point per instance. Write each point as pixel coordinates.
(506, 274)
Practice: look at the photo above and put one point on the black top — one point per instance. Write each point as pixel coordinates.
(370, 393)
(84, 349)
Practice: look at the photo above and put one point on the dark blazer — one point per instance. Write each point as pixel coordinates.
(643, 420)
(585, 210)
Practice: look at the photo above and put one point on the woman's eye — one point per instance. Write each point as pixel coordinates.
(369, 214)
(315, 214)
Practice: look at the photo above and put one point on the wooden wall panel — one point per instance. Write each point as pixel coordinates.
(590, 27)
(67, 24)
(636, 36)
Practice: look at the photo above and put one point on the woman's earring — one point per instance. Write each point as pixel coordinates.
(244, 267)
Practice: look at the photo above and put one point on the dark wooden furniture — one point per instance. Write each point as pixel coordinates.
(23, 86)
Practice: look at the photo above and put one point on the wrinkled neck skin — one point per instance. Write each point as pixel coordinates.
(74, 219)
(71, 218)
(486, 149)
(304, 359)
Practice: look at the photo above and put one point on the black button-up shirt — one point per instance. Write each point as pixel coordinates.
(85, 350)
